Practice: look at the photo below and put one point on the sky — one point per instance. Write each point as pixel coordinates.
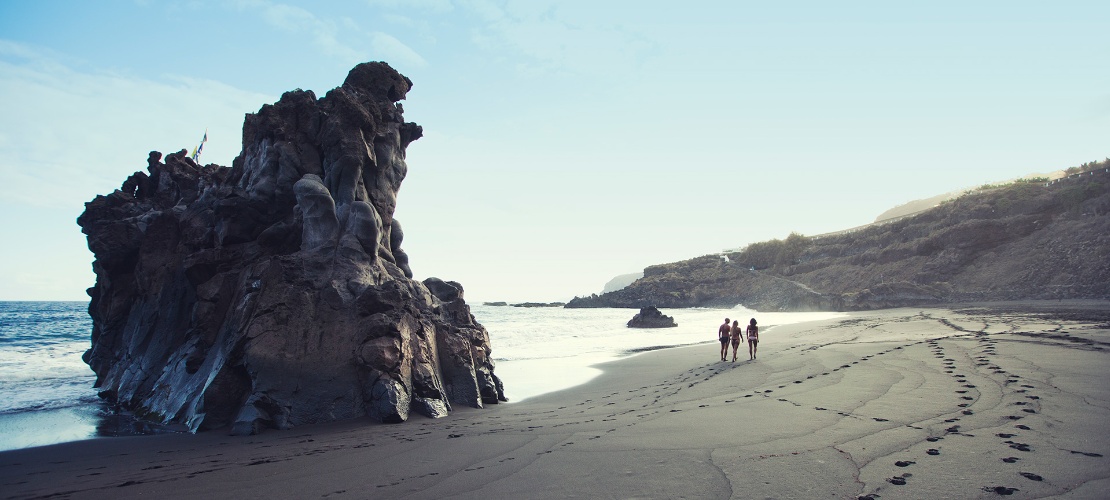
(565, 142)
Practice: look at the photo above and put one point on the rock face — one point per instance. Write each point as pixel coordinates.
(1025, 240)
(650, 317)
(275, 293)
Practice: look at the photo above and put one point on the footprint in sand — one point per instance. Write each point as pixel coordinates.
(1023, 427)
(904, 463)
(932, 451)
(898, 480)
(1030, 475)
(1011, 460)
(1001, 490)
(1086, 454)
(1005, 435)
(933, 439)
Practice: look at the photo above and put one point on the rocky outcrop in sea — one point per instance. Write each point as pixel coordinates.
(650, 317)
(275, 292)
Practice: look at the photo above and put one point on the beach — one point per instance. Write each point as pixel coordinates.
(965, 401)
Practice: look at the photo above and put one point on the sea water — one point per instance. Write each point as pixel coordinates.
(47, 394)
(541, 350)
(46, 391)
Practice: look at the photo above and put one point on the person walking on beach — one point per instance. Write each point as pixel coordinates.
(753, 339)
(723, 335)
(736, 338)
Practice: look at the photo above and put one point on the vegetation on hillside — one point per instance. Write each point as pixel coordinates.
(1019, 240)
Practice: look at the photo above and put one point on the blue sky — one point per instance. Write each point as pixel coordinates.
(565, 142)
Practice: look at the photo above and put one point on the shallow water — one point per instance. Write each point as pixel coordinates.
(48, 395)
(540, 350)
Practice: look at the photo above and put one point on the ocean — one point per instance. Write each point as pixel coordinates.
(47, 394)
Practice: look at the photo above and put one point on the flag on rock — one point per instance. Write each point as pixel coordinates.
(200, 147)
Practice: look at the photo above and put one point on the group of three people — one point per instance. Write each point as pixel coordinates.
(732, 334)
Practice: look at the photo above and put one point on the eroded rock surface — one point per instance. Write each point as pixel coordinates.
(275, 293)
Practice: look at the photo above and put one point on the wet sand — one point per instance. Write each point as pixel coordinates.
(963, 402)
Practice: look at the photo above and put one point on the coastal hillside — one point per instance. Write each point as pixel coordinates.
(1028, 239)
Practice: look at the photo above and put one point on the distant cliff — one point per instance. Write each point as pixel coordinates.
(621, 281)
(1030, 239)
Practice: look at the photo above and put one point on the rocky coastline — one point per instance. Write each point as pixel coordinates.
(1026, 240)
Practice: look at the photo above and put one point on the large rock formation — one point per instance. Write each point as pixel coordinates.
(275, 293)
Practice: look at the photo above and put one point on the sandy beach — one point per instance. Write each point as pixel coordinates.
(975, 401)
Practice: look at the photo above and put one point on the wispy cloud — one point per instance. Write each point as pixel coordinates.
(340, 38)
(425, 6)
(324, 34)
(558, 37)
(69, 134)
(81, 133)
(391, 49)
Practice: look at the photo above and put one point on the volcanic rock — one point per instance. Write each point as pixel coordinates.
(275, 293)
(650, 317)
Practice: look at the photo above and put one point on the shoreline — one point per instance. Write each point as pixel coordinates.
(902, 403)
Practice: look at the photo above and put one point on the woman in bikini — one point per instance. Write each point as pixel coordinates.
(736, 338)
(753, 339)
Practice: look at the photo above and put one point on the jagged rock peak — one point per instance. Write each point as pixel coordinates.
(276, 293)
(378, 78)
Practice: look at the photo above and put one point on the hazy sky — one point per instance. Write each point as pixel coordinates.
(565, 142)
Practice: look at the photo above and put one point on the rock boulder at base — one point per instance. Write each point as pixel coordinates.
(650, 317)
(275, 293)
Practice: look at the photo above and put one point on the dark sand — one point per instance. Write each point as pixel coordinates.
(1007, 400)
